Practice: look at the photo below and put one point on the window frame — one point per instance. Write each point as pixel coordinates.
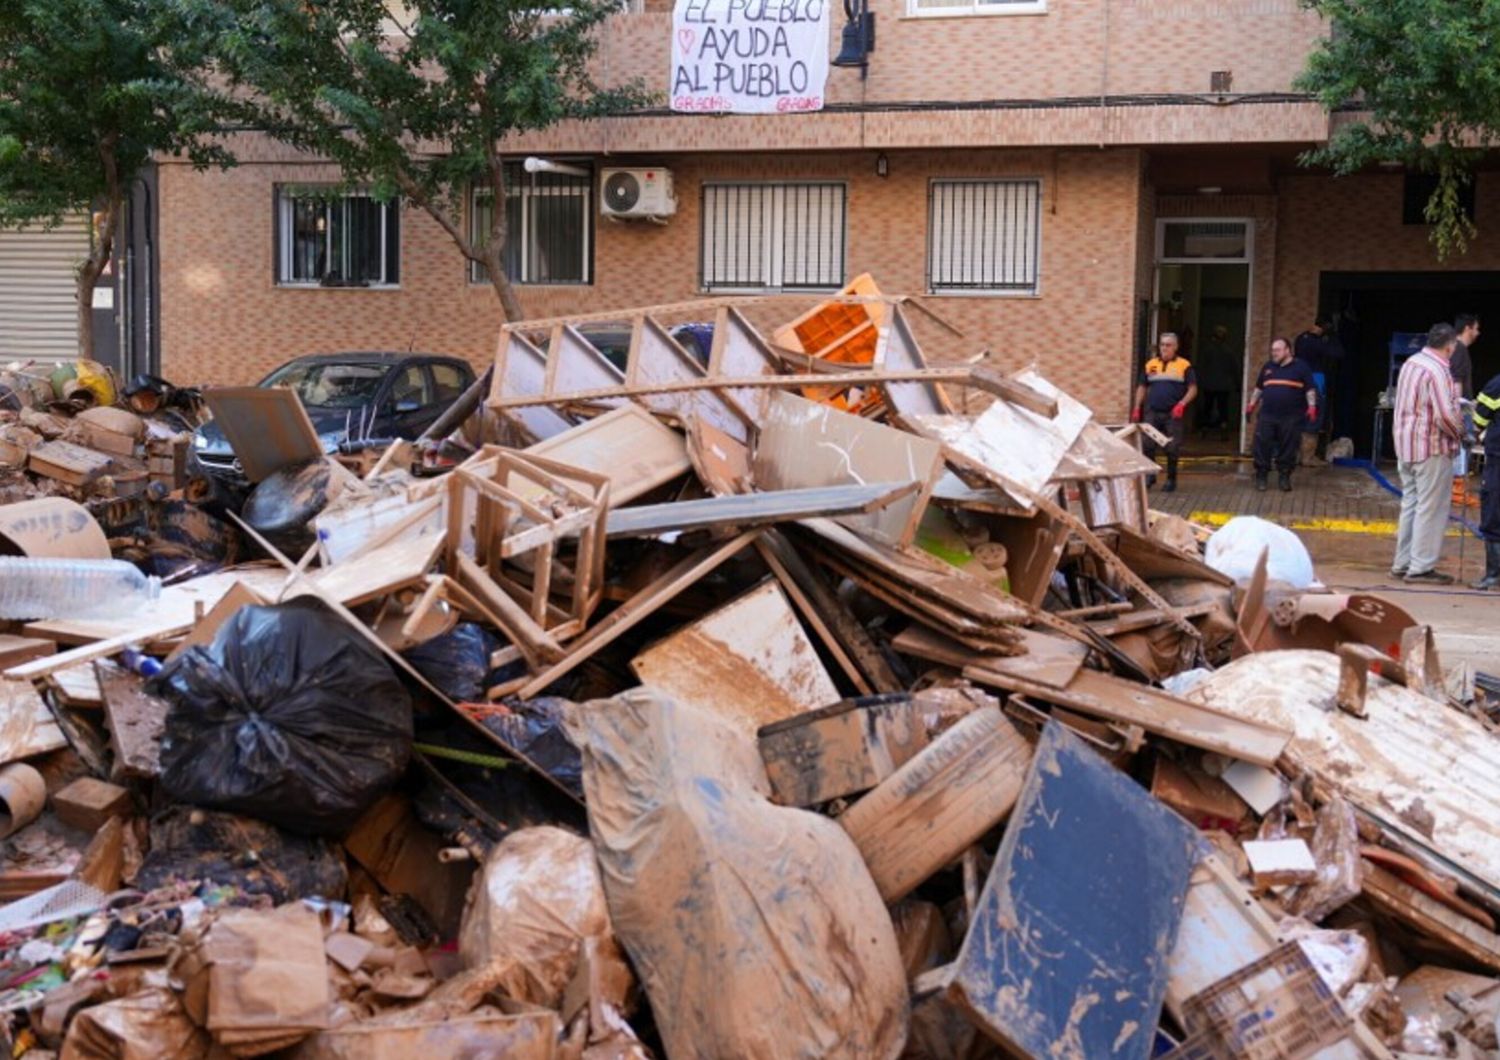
(284, 199)
(979, 9)
(775, 267)
(525, 188)
(946, 291)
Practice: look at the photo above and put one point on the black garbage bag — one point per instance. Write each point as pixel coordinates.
(222, 850)
(534, 728)
(289, 715)
(457, 662)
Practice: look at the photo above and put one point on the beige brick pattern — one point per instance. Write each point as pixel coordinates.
(224, 320)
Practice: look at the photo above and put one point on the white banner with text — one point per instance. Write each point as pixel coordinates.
(749, 56)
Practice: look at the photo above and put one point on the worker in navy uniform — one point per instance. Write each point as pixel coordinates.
(1167, 387)
(1286, 395)
(1486, 412)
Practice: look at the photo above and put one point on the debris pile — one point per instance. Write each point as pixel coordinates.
(808, 702)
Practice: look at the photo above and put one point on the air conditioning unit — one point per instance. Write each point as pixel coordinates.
(641, 192)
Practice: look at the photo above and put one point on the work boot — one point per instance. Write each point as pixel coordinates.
(1260, 481)
(1491, 579)
(1171, 485)
(1284, 481)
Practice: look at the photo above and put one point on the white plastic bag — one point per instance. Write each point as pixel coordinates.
(1235, 548)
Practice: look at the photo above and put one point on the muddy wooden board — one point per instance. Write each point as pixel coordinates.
(750, 662)
(14, 649)
(1046, 659)
(740, 352)
(1431, 773)
(803, 443)
(69, 463)
(897, 348)
(26, 725)
(1397, 898)
(379, 571)
(1152, 559)
(1186, 721)
(754, 509)
(919, 573)
(840, 750)
(1067, 951)
(1098, 454)
(722, 462)
(135, 720)
(1033, 548)
(939, 803)
(78, 687)
(521, 370)
(1018, 444)
(575, 363)
(656, 357)
(629, 445)
(267, 427)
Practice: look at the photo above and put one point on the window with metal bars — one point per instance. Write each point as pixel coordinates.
(336, 239)
(777, 236)
(983, 236)
(550, 226)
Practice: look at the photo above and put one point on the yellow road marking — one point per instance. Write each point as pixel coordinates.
(1384, 527)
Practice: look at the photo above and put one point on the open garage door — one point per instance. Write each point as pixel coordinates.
(38, 314)
(1369, 307)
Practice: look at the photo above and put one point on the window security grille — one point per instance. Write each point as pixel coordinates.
(773, 236)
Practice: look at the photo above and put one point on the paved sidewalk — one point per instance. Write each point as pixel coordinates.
(1336, 499)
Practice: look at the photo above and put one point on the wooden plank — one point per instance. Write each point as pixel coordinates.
(1103, 696)
(136, 722)
(635, 450)
(897, 348)
(740, 350)
(378, 572)
(507, 402)
(521, 372)
(840, 750)
(721, 461)
(538, 647)
(69, 463)
(1223, 929)
(1048, 659)
(748, 662)
(27, 727)
(1033, 548)
(939, 803)
(1010, 441)
(1098, 454)
(1085, 896)
(15, 650)
(804, 444)
(643, 604)
(575, 363)
(657, 358)
(920, 574)
(1399, 899)
(1150, 558)
(267, 427)
(828, 616)
(77, 686)
(755, 509)
(1016, 392)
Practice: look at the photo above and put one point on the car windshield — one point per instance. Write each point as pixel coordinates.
(330, 384)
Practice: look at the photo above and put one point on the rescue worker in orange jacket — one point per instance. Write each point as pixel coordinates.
(1167, 387)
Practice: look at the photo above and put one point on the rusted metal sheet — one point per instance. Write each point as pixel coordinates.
(1430, 772)
(1067, 952)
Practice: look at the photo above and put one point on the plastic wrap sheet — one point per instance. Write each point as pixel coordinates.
(755, 928)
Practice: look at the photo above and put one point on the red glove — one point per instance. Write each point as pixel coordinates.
(1179, 410)
(1135, 415)
(1249, 411)
(1312, 414)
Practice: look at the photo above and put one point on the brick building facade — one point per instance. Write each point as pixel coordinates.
(1079, 158)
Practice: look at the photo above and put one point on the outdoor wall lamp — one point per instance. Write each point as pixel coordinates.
(859, 37)
(882, 165)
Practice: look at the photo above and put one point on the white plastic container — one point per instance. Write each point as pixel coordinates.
(72, 588)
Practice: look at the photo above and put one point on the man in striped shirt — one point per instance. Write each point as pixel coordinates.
(1428, 431)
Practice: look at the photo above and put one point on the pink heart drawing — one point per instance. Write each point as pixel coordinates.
(685, 39)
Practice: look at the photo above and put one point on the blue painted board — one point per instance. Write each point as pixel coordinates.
(1066, 955)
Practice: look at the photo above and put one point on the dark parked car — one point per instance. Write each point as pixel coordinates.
(353, 398)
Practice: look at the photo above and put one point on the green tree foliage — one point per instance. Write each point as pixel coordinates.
(414, 99)
(1415, 82)
(90, 90)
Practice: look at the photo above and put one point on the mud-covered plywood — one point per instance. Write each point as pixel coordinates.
(749, 662)
(629, 445)
(803, 444)
(1422, 768)
(266, 426)
(1016, 444)
(1066, 955)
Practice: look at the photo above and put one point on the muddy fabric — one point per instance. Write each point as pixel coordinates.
(536, 900)
(756, 929)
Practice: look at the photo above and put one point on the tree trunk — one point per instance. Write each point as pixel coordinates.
(506, 290)
(103, 239)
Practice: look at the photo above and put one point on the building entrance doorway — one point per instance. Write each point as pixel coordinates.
(1203, 294)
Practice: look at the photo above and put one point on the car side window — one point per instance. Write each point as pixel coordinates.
(448, 383)
(410, 387)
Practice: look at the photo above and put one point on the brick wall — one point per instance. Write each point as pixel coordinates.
(224, 320)
(1353, 224)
